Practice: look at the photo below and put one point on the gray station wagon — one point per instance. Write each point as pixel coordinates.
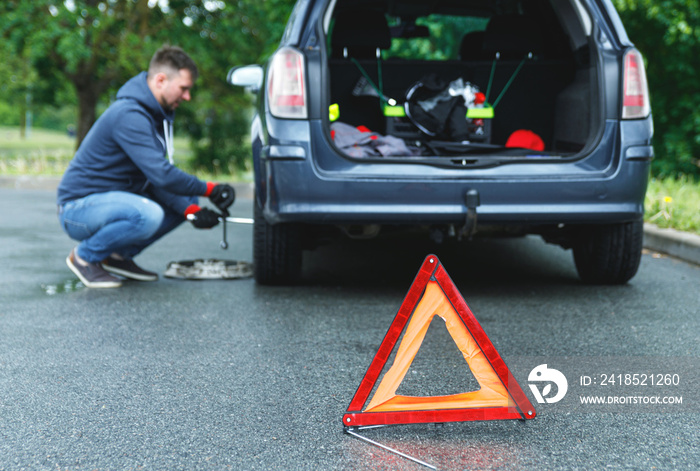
(463, 118)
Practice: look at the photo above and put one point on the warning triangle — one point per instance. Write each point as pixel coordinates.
(434, 294)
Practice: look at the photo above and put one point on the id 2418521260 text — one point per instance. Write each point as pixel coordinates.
(630, 379)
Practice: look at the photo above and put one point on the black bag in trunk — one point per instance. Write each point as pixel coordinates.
(435, 112)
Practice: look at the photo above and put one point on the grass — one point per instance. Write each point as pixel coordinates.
(674, 203)
(43, 152)
(669, 202)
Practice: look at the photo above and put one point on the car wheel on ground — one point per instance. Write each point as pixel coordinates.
(609, 254)
(276, 251)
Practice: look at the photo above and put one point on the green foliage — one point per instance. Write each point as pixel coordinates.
(220, 143)
(88, 44)
(56, 118)
(674, 203)
(667, 32)
(16, 86)
(8, 116)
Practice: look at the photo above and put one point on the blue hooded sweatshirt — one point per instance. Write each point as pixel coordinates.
(127, 149)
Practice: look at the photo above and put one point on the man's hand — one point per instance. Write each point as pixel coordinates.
(203, 218)
(223, 196)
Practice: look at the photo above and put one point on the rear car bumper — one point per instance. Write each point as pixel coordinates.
(301, 178)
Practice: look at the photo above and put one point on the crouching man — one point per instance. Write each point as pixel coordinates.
(121, 191)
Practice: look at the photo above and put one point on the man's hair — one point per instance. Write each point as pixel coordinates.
(170, 60)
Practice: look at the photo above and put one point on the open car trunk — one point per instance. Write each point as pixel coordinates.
(465, 83)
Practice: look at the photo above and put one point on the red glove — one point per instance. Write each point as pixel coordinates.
(201, 218)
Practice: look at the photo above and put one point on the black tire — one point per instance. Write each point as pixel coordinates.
(609, 254)
(276, 251)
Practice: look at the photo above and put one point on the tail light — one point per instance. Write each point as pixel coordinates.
(635, 96)
(286, 85)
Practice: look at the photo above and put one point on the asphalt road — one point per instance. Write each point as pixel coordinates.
(229, 375)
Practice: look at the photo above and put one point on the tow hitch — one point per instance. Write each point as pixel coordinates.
(472, 201)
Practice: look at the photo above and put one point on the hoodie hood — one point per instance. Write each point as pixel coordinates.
(137, 89)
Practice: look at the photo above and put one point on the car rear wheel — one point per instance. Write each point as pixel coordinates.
(609, 254)
(276, 251)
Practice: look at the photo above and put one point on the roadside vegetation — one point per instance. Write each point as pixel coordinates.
(43, 152)
(674, 203)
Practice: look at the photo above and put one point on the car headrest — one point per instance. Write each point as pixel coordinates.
(512, 36)
(471, 47)
(362, 32)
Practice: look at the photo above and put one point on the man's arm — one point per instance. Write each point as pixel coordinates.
(141, 143)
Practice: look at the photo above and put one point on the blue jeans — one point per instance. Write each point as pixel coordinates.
(115, 222)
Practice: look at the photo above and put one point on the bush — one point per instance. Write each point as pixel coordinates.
(220, 144)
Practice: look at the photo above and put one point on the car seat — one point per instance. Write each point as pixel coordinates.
(357, 39)
(513, 37)
(515, 86)
(359, 34)
(472, 47)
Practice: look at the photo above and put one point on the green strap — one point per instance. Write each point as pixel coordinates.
(371, 82)
(380, 80)
(493, 71)
(510, 81)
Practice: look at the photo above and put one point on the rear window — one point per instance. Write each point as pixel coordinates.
(444, 39)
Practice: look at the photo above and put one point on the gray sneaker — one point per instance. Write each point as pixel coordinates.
(128, 268)
(92, 275)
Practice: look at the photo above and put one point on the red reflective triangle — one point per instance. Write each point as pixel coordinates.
(434, 294)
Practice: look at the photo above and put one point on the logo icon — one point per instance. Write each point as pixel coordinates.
(542, 374)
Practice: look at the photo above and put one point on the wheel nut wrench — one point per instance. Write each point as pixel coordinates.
(224, 219)
(224, 244)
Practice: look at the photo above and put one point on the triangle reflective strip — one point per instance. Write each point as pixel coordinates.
(434, 294)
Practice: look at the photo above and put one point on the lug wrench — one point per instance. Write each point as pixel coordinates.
(224, 243)
(224, 218)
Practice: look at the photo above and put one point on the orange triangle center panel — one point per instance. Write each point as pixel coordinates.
(434, 294)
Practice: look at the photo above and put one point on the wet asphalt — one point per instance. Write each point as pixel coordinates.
(226, 374)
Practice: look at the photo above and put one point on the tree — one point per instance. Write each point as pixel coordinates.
(91, 44)
(16, 79)
(667, 32)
